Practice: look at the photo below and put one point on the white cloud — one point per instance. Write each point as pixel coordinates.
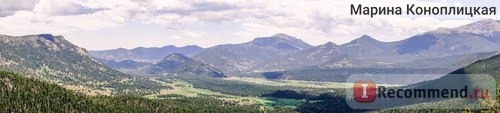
(63, 7)
(9, 7)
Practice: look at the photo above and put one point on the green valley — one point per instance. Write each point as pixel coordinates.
(20, 94)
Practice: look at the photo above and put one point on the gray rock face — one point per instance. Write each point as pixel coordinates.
(49, 57)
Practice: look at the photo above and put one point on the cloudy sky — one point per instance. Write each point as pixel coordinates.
(109, 24)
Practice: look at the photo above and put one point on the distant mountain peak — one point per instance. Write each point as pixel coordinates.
(329, 44)
(481, 27)
(178, 63)
(486, 21)
(488, 29)
(184, 47)
(365, 39)
(145, 54)
(176, 57)
(278, 36)
(281, 41)
(173, 60)
(284, 36)
(168, 46)
(485, 26)
(193, 46)
(121, 49)
(483, 23)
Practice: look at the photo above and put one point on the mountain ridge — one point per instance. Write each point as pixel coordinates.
(177, 63)
(47, 52)
(52, 58)
(237, 58)
(145, 54)
(281, 52)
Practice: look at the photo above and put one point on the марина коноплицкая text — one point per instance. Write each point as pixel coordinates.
(412, 9)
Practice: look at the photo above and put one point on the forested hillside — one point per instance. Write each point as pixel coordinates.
(20, 94)
(56, 60)
(489, 66)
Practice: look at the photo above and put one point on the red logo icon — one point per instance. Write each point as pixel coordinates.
(364, 91)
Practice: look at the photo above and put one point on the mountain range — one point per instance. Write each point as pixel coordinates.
(443, 50)
(54, 59)
(282, 52)
(145, 55)
(242, 58)
(124, 64)
(433, 44)
(477, 37)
